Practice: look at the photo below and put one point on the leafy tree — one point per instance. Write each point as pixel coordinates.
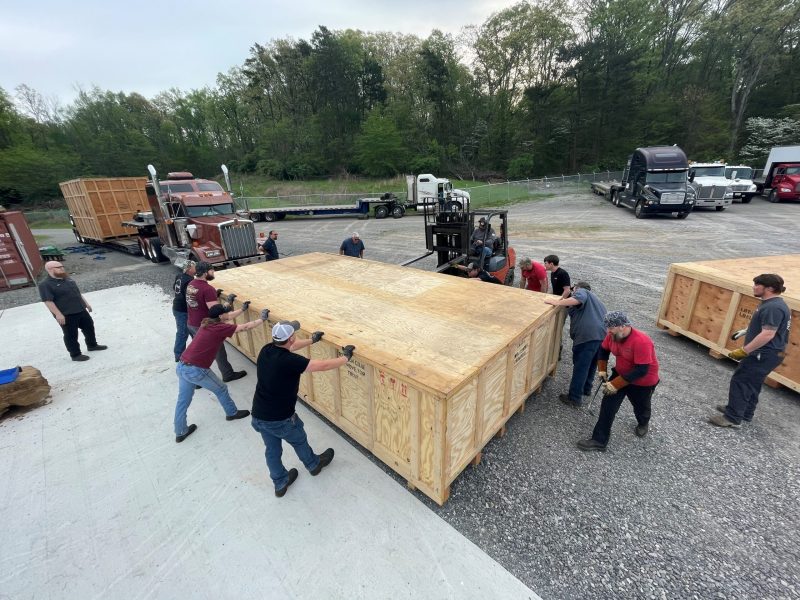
(379, 150)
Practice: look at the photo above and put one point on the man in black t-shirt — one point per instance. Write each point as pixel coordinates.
(179, 309)
(559, 278)
(279, 370)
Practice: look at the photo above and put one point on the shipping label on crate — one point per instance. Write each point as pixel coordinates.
(355, 369)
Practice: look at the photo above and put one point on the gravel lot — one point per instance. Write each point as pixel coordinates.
(690, 511)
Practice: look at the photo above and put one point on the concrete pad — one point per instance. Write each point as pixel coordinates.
(98, 501)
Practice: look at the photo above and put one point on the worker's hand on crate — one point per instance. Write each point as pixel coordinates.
(245, 305)
(230, 298)
(738, 334)
(737, 354)
(219, 292)
(348, 351)
(316, 336)
(264, 314)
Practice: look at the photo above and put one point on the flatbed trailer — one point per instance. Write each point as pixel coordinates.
(387, 205)
(604, 188)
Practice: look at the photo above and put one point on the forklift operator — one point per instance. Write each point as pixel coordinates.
(481, 240)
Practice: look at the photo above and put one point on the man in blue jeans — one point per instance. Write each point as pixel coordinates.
(587, 331)
(179, 309)
(194, 368)
(279, 370)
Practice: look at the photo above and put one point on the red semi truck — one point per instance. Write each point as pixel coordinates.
(781, 174)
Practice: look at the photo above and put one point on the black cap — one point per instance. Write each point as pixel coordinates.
(202, 268)
(215, 311)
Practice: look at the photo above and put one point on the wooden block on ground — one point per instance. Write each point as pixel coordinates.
(29, 389)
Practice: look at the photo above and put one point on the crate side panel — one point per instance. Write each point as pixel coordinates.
(392, 419)
(744, 312)
(790, 367)
(678, 306)
(461, 427)
(355, 395)
(710, 309)
(495, 391)
(520, 386)
(429, 471)
(326, 383)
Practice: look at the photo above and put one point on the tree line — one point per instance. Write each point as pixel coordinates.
(542, 87)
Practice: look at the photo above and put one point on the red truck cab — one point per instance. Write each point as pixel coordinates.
(785, 182)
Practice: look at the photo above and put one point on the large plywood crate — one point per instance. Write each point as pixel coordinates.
(441, 362)
(708, 301)
(99, 206)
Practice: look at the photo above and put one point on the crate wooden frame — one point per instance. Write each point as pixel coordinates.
(441, 363)
(707, 301)
(98, 206)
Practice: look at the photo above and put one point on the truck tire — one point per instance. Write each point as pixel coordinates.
(381, 211)
(509, 277)
(615, 198)
(683, 215)
(746, 199)
(143, 247)
(453, 206)
(639, 210)
(398, 212)
(155, 249)
(268, 217)
(773, 196)
(720, 208)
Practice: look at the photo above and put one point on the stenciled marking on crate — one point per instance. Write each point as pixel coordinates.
(745, 313)
(521, 353)
(393, 383)
(355, 368)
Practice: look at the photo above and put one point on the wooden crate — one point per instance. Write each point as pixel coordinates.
(99, 206)
(441, 362)
(707, 301)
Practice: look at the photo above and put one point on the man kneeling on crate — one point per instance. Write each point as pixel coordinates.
(279, 370)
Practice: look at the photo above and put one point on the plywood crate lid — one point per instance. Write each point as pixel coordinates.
(737, 273)
(436, 329)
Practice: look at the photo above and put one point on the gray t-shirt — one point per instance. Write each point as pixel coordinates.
(64, 293)
(772, 313)
(586, 319)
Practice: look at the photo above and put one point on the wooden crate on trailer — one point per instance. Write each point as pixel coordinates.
(707, 301)
(441, 362)
(99, 206)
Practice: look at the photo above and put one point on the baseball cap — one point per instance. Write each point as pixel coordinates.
(215, 311)
(202, 268)
(189, 264)
(616, 318)
(482, 220)
(283, 330)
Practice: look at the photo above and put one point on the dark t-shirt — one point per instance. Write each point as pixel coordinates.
(559, 279)
(198, 294)
(279, 371)
(206, 343)
(179, 287)
(64, 293)
(270, 249)
(488, 277)
(772, 313)
(352, 248)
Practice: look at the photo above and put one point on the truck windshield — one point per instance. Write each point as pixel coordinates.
(674, 177)
(174, 188)
(208, 186)
(209, 210)
(709, 171)
(741, 172)
(793, 170)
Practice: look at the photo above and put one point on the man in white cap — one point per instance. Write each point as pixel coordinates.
(635, 376)
(352, 246)
(65, 302)
(274, 417)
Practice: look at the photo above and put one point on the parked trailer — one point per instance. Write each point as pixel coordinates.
(386, 205)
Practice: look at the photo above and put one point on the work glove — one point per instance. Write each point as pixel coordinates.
(245, 305)
(609, 388)
(316, 336)
(738, 334)
(348, 352)
(602, 375)
(219, 292)
(264, 314)
(737, 354)
(230, 298)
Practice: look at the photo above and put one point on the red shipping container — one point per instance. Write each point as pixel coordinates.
(20, 260)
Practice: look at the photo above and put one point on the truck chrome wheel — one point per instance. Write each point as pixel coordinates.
(773, 196)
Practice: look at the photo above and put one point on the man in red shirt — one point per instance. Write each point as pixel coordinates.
(194, 368)
(635, 376)
(534, 275)
(200, 297)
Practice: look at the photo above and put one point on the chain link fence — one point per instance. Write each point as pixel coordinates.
(43, 219)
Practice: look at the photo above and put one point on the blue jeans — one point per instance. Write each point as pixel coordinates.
(479, 248)
(291, 430)
(181, 333)
(584, 366)
(190, 376)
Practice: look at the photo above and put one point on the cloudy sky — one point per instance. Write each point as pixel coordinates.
(55, 46)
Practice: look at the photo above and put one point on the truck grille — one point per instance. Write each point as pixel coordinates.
(740, 188)
(238, 239)
(672, 198)
(711, 191)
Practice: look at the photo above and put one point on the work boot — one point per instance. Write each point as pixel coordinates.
(190, 431)
(324, 460)
(641, 430)
(591, 444)
(80, 358)
(567, 400)
(240, 414)
(722, 421)
(292, 477)
(723, 407)
(234, 376)
(97, 347)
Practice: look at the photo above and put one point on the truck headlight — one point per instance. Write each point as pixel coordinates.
(785, 190)
(729, 195)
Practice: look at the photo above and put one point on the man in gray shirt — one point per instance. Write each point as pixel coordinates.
(763, 351)
(587, 331)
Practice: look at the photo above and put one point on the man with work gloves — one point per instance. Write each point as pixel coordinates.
(635, 376)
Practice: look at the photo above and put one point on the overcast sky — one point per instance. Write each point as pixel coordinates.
(149, 46)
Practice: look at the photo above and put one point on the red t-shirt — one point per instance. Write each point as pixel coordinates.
(204, 346)
(534, 275)
(198, 294)
(636, 349)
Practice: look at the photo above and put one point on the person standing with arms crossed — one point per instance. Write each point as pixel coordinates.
(274, 417)
(194, 368)
(764, 343)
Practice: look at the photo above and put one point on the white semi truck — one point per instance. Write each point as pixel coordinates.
(427, 190)
(713, 190)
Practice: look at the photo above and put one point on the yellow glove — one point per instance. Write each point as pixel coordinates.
(608, 389)
(737, 354)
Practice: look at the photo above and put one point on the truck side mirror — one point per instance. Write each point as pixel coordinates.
(691, 177)
(192, 230)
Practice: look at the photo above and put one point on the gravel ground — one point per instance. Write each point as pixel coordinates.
(690, 511)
